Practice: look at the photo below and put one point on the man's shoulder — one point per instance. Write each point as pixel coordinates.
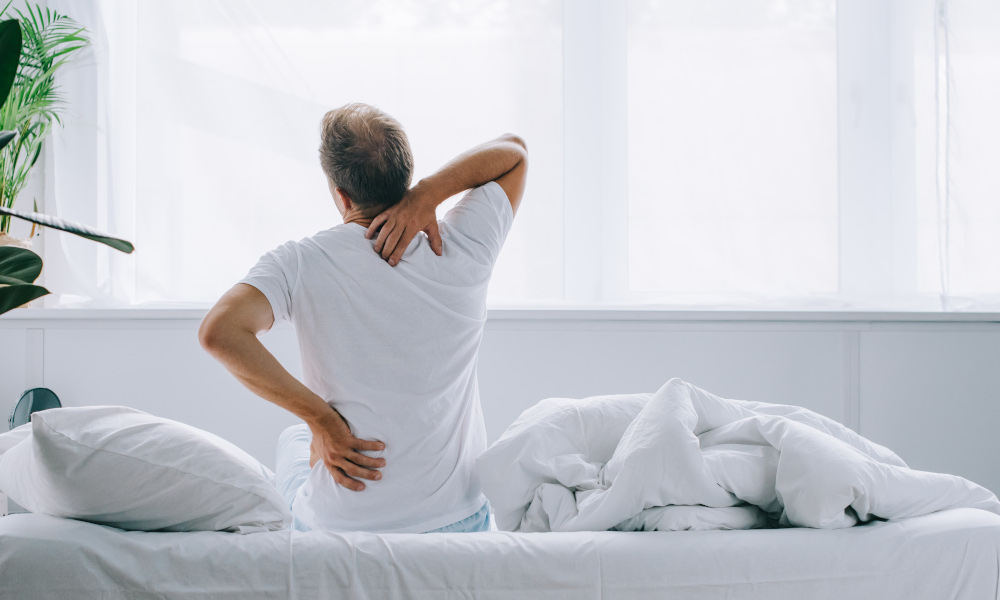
(338, 235)
(337, 248)
(490, 191)
(484, 216)
(293, 252)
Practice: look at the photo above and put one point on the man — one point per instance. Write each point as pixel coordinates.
(389, 324)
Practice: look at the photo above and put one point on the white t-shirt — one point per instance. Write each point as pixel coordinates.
(394, 349)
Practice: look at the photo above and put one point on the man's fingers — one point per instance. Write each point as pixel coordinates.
(368, 445)
(392, 240)
(376, 223)
(366, 461)
(434, 237)
(383, 235)
(401, 246)
(341, 478)
(360, 472)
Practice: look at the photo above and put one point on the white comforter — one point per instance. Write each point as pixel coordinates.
(683, 458)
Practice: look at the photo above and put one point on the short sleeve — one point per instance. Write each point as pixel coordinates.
(484, 216)
(275, 275)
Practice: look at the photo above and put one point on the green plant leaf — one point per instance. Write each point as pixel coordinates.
(10, 55)
(49, 41)
(4, 280)
(19, 264)
(71, 227)
(38, 151)
(13, 296)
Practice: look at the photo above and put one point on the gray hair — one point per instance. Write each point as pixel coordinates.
(366, 154)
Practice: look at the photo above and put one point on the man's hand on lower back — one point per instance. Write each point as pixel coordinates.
(401, 223)
(340, 451)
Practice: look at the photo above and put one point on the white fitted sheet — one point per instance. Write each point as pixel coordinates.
(952, 554)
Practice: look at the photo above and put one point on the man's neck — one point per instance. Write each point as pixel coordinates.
(358, 218)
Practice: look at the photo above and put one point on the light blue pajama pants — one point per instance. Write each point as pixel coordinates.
(292, 462)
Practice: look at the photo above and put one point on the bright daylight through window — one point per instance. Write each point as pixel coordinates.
(732, 148)
(718, 154)
(226, 141)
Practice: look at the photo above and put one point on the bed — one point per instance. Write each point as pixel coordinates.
(950, 554)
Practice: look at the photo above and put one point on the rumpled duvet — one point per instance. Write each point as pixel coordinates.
(682, 458)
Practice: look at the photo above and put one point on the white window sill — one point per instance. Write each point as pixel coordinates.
(617, 313)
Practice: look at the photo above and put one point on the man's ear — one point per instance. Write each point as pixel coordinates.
(344, 199)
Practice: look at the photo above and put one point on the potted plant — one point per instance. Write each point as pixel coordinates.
(32, 49)
(28, 103)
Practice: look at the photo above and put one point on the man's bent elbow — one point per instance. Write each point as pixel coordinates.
(515, 139)
(210, 334)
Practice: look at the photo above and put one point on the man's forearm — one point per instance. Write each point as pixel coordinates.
(473, 168)
(249, 361)
(229, 333)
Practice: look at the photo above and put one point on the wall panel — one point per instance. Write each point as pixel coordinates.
(934, 398)
(13, 370)
(165, 372)
(520, 366)
(929, 390)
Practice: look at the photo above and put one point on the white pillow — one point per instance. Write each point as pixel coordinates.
(119, 466)
(9, 439)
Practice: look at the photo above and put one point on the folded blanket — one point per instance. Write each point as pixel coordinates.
(683, 458)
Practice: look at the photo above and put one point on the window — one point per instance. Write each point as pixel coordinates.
(230, 97)
(732, 148)
(714, 154)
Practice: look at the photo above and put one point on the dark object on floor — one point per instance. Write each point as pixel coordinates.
(32, 401)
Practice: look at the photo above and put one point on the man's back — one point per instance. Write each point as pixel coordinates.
(388, 331)
(394, 349)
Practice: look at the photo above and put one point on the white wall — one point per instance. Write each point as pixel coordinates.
(927, 388)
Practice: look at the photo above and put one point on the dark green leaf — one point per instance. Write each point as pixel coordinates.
(13, 296)
(71, 227)
(20, 264)
(6, 137)
(10, 54)
(4, 280)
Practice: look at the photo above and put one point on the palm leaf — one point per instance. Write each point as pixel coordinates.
(71, 227)
(48, 41)
(38, 152)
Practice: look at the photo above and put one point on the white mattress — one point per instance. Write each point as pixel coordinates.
(953, 554)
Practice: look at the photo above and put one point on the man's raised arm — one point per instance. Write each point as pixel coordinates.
(503, 160)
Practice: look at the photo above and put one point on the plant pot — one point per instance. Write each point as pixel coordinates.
(9, 240)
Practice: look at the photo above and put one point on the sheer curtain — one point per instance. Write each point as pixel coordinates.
(960, 214)
(89, 160)
(732, 150)
(817, 154)
(203, 117)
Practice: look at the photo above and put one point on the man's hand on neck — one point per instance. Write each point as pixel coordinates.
(398, 225)
(503, 160)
